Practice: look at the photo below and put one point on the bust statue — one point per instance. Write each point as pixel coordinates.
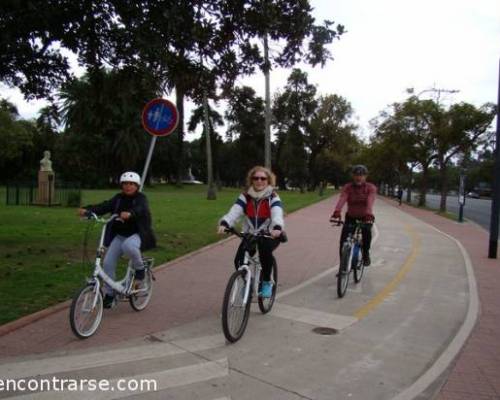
(45, 163)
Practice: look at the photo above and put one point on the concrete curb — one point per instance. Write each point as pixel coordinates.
(442, 363)
(30, 318)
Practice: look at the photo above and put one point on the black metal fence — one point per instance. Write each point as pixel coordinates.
(49, 194)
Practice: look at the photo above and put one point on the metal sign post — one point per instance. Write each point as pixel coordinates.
(461, 198)
(159, 118)
(495, 201)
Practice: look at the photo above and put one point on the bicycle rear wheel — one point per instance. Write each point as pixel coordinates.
(265, 304)
(140, 299)
(84, 318)
(234, 313)
(343, 275)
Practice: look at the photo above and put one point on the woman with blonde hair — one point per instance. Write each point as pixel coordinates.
(261, 206)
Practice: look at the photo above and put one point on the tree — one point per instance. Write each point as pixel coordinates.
(330, 140)
(103, 133)
(289, 22)
(245, 127)
(293, 111)
(16, 139)
(35, 33)
(458, 131)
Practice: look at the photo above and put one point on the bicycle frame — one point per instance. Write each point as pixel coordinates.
(123, 286)
(353, 238)
(250, 263)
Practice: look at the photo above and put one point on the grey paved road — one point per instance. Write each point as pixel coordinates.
(477, 210)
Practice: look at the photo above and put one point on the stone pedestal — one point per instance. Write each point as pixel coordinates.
(46, 188)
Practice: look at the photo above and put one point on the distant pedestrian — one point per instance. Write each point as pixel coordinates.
(400, 195)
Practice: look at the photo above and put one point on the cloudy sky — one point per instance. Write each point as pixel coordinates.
(392, 45)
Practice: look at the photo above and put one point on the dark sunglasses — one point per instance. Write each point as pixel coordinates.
(259, 178)
(128, 183)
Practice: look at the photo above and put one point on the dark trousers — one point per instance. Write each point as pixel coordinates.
(266, 247)
(366, 233)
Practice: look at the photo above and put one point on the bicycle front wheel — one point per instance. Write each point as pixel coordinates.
(234, 313)
(265, 304)
(84, 316)
(141, 295)
(359, 268)
(343, 275)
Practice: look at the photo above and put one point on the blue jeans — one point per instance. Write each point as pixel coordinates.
(121, 245)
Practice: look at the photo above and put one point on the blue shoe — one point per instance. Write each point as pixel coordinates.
(266, 290)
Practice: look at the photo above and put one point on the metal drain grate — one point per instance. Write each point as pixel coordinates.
(323, 330)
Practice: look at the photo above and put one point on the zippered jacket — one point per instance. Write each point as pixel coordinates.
(259, 215)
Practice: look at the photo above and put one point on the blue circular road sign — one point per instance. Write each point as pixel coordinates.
(160, 117)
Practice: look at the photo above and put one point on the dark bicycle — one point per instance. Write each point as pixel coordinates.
(351, 256)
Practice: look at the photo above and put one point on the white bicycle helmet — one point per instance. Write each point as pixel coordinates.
(131, 176)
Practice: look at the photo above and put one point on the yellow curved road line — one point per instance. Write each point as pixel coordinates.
(386, 291)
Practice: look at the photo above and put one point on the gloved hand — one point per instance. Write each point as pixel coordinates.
(369, 219)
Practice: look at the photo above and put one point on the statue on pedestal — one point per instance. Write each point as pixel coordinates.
(45, 162)
(46, 181)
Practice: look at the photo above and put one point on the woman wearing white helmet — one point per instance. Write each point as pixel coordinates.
(129, 235)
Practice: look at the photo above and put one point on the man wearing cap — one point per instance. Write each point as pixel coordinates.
(359, 196)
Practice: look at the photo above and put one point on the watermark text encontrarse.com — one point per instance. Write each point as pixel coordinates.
(56, 384)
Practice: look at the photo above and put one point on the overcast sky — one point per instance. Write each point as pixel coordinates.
(391, 45)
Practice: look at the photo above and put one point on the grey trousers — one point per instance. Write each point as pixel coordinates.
(121, 245)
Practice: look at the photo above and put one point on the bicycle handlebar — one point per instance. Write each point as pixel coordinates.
(263, 234)
(93, 216)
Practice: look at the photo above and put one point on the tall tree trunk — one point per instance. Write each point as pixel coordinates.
(443, 175)
(408, 189)
(211, 195)
(179, 101)
(423, 187)
(267, 133)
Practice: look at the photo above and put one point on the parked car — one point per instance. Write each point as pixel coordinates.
(473, 195)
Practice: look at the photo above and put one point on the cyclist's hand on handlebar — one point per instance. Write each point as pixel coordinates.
(124, 215)
(221, 230)
(276, 233)
(82, 212)
(335, 216)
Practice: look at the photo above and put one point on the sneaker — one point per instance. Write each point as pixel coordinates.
(266, 290)
(366, 260)
(108, 301)
(139, 274)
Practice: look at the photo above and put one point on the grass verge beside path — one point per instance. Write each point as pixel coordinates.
(41, 248)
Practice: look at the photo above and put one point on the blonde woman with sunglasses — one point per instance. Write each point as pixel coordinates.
(262, 210)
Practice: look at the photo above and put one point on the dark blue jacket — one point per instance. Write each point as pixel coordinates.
(140, 213)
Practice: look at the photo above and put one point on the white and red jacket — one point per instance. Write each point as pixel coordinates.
(265, 213)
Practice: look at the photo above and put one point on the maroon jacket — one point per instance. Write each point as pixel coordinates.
(359, 198)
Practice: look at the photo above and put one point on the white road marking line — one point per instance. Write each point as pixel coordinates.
(201, 343)
(167, 379)
(56, 365)
(312, 317)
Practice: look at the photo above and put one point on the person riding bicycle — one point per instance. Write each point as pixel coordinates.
(263, 211)
(130, 234)
(359, 196)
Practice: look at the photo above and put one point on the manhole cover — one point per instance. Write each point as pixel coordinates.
(323, 330)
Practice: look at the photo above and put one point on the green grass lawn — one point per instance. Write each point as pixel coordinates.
(41, 249)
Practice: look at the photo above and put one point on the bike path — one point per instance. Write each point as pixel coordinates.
(391, 327)
(187, 289)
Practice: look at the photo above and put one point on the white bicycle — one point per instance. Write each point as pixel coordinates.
(87, 306)
(243, 285)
